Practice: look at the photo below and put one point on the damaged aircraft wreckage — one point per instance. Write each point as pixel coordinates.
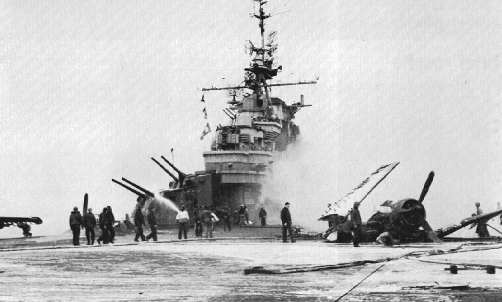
(405, 221)
(21, 222)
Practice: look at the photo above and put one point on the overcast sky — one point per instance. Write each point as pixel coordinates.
(90, 90)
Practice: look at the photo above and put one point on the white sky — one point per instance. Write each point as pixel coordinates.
(89, 91)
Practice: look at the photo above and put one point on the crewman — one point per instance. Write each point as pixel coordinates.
(246, 213)
(242, 215)
(225, 217)
(263, 216)
(152, 221)
(236, 217)
(76, 222)
(286, 224)
(356, 221)
(208, 219)
(109, 221)
(89, 223)
(139, 222)
(104, 233)
(182, 218)
(198, 221)
(482, 228)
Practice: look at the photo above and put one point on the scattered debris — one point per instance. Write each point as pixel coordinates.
(437, 286)
(302, 269)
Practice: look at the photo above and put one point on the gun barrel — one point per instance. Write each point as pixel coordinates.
(172, 166)
(128, 188)
(138, 187)
(167, 171)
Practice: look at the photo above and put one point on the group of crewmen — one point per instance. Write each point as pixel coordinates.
(139, 222)
(205, 219)
(88, 221)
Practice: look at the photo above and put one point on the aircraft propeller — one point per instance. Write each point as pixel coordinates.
(427, 184)
(423, 223)
(86, 202)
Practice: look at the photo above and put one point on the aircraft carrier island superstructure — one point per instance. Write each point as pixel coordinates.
(243, 150)
(260, 126)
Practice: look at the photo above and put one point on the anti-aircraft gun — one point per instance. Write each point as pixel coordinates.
(142, 197)
(176, 180)
(147, 200)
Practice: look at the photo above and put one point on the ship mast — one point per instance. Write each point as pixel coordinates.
(262, 17)
(260, 70)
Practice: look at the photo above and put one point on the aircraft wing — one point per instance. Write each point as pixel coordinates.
(327, 217)
(465, 222)
(8, 221)
(359, 193)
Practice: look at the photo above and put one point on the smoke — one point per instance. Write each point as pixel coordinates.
(304, 183)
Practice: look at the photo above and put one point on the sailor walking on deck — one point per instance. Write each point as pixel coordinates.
(104, 233)
(109, 221)
(139, 222)
(152, 221)
(286, 223)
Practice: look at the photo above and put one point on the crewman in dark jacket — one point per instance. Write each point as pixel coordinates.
(102, 226)
(286, 223)
(225, 216)
(242, 215)
(109, 221)
(482, 226)
(76, 222)
(152, 221)
(263, 216)
(89, 223)
(139, 222)
(198, 221)
(355, 218)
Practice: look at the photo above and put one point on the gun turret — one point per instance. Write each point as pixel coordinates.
(167, 171)
(129, 188)
(181, 175)
(139, 188)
